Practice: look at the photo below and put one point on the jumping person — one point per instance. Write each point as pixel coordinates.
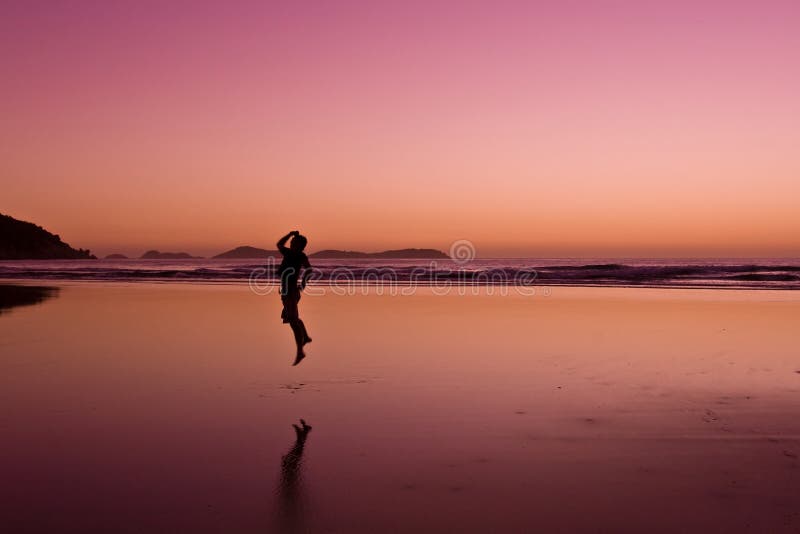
(294, 263)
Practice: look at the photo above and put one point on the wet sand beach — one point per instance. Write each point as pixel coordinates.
(169, 408)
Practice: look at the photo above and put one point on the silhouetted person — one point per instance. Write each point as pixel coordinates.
(294, 263)
(289, 490)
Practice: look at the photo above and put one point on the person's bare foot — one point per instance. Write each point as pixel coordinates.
(299, 357)
(307, 340)
(302, 432)
(306, 426)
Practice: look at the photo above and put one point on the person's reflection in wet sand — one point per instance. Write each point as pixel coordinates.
(290, 491)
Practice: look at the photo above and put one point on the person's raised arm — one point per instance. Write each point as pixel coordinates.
(282, 241)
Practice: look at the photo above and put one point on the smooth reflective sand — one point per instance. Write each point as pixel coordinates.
(169, 408)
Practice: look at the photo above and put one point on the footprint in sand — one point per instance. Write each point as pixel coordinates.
(710, 416)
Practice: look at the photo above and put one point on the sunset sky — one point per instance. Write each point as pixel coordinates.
(563, 128)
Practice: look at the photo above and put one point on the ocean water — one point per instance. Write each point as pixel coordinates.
(769, 273)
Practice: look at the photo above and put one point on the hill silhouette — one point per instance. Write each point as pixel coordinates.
(246, 252)
(22, 240)
(405, 253)
(156, 255)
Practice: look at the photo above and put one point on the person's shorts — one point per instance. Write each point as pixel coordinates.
(290, 312)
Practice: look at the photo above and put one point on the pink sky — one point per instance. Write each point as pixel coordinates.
(531, 128)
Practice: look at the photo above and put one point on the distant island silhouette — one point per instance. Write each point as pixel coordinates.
(246, 252)
(156, 255)
(21, 240)
(405, 253)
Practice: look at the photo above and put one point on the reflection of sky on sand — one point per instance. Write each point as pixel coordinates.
(169, 408)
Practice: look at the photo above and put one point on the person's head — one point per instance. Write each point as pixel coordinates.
(299, 242)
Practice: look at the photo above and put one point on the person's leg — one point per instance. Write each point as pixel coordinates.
(306, 339)
(285, 311)
(289, 313)
(298, 329)
(296, 317)
(299, 333)
(284, 293)
(299, 339)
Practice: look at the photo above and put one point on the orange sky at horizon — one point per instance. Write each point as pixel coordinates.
(570, 129)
